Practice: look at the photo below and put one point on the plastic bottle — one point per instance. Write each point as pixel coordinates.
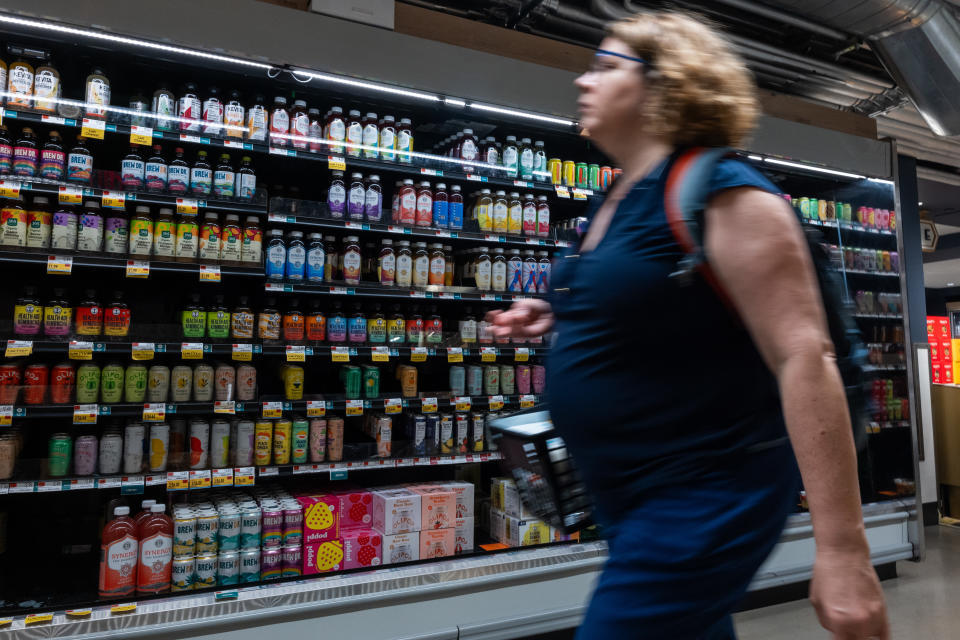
(354, 133)
(316, 323)
(438, 265)
(119, 554)
(138, 105)
(511, 156)
(233, 116)
(543, 217)
(529, 272)
(208, 249)
(296, 256)
(39, 224)
(404, 276)
(178, 174)
(132, 170)
(145, 511)
(299, 125)
(483, 210)
(97, 94)
(408, 203)
(6, 151)
(316, 257)
(224, 179)
(193, 318)
(27, 314)
(373, 201)
(155, 567)
(352, 260)
(424, 215)
(469, 150)
(279, 122)
(246, 180)
(396, 326)
(294, 323)
(165, 235)
(90, 228)
(421, 265)
(46, 89)
(356, 197)
(231, 240)
(331, 266)
(529, 215)
(433, 327)
(335, 130)
(258, 120)
(80, 163)
(441, 207)
(386, 264)
(155, 172)
(527, 159)
(116, 232)
(388, 139)
(188, 239)
(315, 131)
(337, 325)
(116, 318)
(241, 320)
(515, 272)
(20, 85)
(544, 269)
(213, 113)
(141, 233)
(484, 270)
(405, 141)
(490, 154)
(53, 160)
(498, 270)
(501, 222)
(514, 214)
(25, 154)
(201, 176)
(371, 137)
(357, 325)
(189, 109)
(455, 208)
(164, 105)
(540, 173)
(251, 252)
(337, 196)
(415, 327)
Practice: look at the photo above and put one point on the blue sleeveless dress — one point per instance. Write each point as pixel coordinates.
(674, 421)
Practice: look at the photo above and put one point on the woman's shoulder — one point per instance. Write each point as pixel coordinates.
(731, 172)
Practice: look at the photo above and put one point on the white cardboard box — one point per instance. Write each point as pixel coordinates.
(512, 504)
(396, 511)
(464, 530)
(401, 547)
(498, 525)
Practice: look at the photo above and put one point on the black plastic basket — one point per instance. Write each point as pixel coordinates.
(546, 477)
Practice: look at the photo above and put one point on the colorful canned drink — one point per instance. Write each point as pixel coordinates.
(555, 167)
(617, 172)
(539, 377)
(199, 444)
(35, 380)
(292, 382)
(606, 178)
(334, 438)
(263, 443)
(182, 574)
(9, 383)
(508, 384)
(271, 532)
(447, 444)
(250, 529)
(208, 525)
(847, 212)
(477, 430)
(159, 446)
(184, 534)
(271, 563)
(371, 381)
(569, 173)
(458, 380)
(228, 532)
(282, 431)
(352, 379)
(249, 566)
(59, 453)
(219, 444)
(462, 432)
(228, 568)
(205, 574)
(300, 440)
(292, 525)
(431, 435)
(241, 444)
(133, 437)
(523, 379)
(582, 175)
(593, 176)
(85, 455)
(804, 206)
(417, 427)
(474, 380)
(62, 382)
(491, 380)
(111, 453)
(318, 440)
(292, 561)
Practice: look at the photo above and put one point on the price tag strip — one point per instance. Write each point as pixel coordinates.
(142, 350)
(191, 350)
(70, 195)
(316, 408)
(114, 199)
(462, 403)
(488, 354)
(272, 409)
(18, 348)
(242, 352)
(85, 413)
(222, 478)
(392, 405)
(187, 206)
(60, 265)
(381, 354)
(92, 128)
(138, 269)
(521, 354)
(296, 353)
(454, 354)
(243, 476)
(495, 403)
(354, 407)
(418, 354)
(336, 163)
(178, 480)
(225, 406)
(340, 354)
(428, 405)
(200, 479)
(154, 412)
(527, 401)
(80, 350)
(141, 135)
(6, 415)
(209, 273)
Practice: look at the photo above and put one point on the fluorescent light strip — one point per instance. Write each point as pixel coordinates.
(757, 158)
(808, 167)
(124, 40)
(521, 114)
(454, 102)
(881, 181)
(368, 85)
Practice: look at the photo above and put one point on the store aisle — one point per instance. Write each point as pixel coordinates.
(923, 601)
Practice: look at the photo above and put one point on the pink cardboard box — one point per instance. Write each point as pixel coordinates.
(438, 506)
(322, 557)
(437, 543)
(361, 548)
(401, 547)
(356, 509)
(464, 493)
(396, 511)
(321, 518)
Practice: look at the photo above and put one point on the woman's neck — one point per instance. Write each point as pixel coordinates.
(639, 157)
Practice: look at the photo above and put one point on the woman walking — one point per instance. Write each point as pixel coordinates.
(692, 470)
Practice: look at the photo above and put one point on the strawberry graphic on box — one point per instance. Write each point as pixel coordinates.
(321, 518)
(361, 548)
(322, 557)
(356, 509)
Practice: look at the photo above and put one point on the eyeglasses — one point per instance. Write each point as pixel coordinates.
(602, 61)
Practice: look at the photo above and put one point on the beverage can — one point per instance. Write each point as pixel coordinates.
(462, 432)
(271, 563)
(181, 383)
(292, 561)
(158, 383)
(292, 525)
(263, 443)
(446, 433)
(523, 379)
(135, 383)
(271, 531)
(282, 432)
(111, 453)
(111, 383)
(416, 432)
(300, 440)
(59, 453)
(371, 381)
(228, 568)
(250, 529)
(62, 382)
(229, 528)
(85, 455)
(159, 446)
(335, 438)
(88, 383)
(133, 436)
(242, 443)
(293, 382)
(507, 380)
(199, 446)
(569, 173)
(474, 380)
(184, 534)
(582, 175)
(593, 176)
(491, 380)
(206, 571)
(219, 444)
(352, 378)
(606, 178)
(477, 430)
(555, 167)
(208, 526)
(9, 383)
(35, 381)
(249, 566)
(318, 440)
(182, 573)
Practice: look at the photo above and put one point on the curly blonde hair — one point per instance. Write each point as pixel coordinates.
(700, 91)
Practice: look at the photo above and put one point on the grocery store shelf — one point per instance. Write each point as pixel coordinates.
(129, 409)
(370, 290)
(121, 263)
(316, 222)
(873, 274)
(877, 427)
(117, 199)
(884, 367)
(878, 316)
(849, 227)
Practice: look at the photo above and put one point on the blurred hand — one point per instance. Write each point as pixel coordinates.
(847, 596)
(525, 319)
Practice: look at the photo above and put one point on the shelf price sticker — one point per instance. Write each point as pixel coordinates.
(77, 484)
(243, 477)
(340, 354)
(70, 195)
(495, 403)
(562, 192)
(141, 135)
(18, 348)
(131, 485)
(430, 172)
(5, 621)
(178, 480)
(316, 408)
(142, 350)
(114, 199)
(527, 401)
(78, 350)
(242, 352)
(475, 178)
(93, 128)
(200, 479)
(154, 412)
(418, 354)
(354, 407)
(48, 486)
(209, 273)
(9, 189)
(37, 618)
(85, 413)
(381, 354)
(62, 265)
(21, 487)
(268, 472)
(138, 269)
(392, 405)
(78, 613)
(191, 350)
(428, 405)
(488, 354)
(272, 409)
(521, 354)
(6, 415)
(455, 354)
(222, 478)
(123, 608)
(462, 403)
(336, 163)
(225, 406)
(579, 194)
(187, 206)
(296, 353)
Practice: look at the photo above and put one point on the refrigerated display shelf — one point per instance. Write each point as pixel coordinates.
(440, 399)
(874, 274)
(876, 427)
(369, 290)
(874, 368)
(878, 316)
(124, 264)
(496, 239)
(848, 227)
(130, 409)
(117, 199)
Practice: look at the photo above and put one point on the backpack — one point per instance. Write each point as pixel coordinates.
(685, 199)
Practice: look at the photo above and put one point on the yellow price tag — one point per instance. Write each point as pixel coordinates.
(9, 189)
(142, 350)
(70, 195)
(418, 354)
(579, 195)
(381, 354)
(37, 618)
(62, 265)
(154, 412)
(123, 608)
(562, 192)
(209, 273)
(243, 352)
(200, 479)
(354, 407)
(336, 163)
(428, 405)
(18, 348)
(114, 199)
(272, 409)
(296, 353)
(178, 480)
(243, 476)
(80, 350)
(495, 403)
(340, 354)
(316, 408)
(6, 415)
(187, 206)
(392, 405)
(85, 413)
(488, 354)
(191, 350)
(78, 613)
(5, 621)
(225, 406)
(141, 135)
(521, 354)
(527, 401)
(138, 269)
(462, 403)
(222, 478)
(93, 128)
(454, 354)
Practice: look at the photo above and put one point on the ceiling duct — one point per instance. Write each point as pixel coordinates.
(918, 42)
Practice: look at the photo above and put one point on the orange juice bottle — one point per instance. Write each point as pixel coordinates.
(118, 556)
(156, 551)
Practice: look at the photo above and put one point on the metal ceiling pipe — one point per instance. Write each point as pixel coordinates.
(918, 41)
(779, 16)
